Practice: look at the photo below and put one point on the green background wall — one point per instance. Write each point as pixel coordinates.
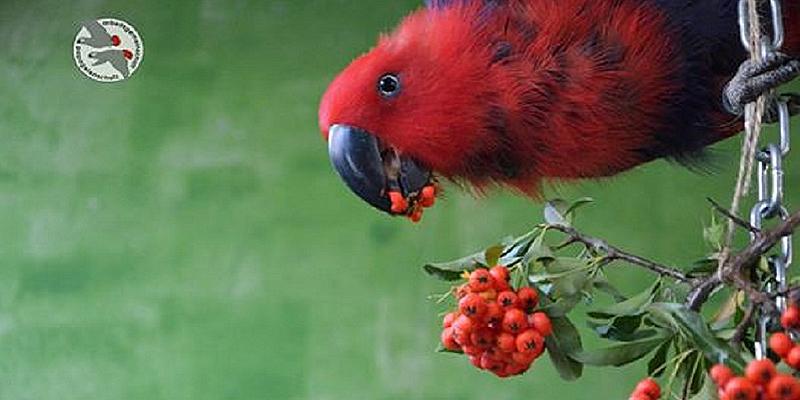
(182, 236)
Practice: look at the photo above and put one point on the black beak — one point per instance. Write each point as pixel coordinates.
(371, 170)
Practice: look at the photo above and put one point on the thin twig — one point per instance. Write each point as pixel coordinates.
(732, 272)
(744, 324)
(702, 291)
(738, 221)
(613, 253)
(762, 244)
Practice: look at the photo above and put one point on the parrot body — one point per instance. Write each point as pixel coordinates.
(513, 92)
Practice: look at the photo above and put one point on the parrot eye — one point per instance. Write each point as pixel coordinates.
(389, 85)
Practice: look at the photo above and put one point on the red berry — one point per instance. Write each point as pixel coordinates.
(115, 40)
(483, 338)
(541, 322)
(462, 329)
(499, 273)
(471, 350)
(428, 196)
(502, 286)
(721, 375)
(648, 387)
(783, 387)
(473, 306)
(490, 363)
(475, 361)
(514, 321)
(480, 280)
(127, 54)
(760, 372)
(516, 369)
(793, 358)
(524, 358)
(448, 320)
(494, 314)
(528, 298)
(791, 318)
(506, 342)
(463, 290)
(501, 373)
(530, 341)
(448, 341)
(489, 295)
(399, 203)
(740, 389)
(507, 300)
(502, 356)
(416, 215)
(781, 344)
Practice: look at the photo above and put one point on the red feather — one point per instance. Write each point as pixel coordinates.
(535, 89)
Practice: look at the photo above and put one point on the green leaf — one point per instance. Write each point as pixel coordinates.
(705, 266)
(577, 204)
(565, 340)
(538, 251)
(492, 255)
(602, 284)
(714, 234)
(695, 376)
(623, 329)
(560, 212)
(707, 392)
(570, 276)
(555, 212)
(619, 355)
(442, 274)
(633, 306)
(727, 311)
(441, 349)
(656, 365)
(452, 270)
(562, 306)
(694, 329)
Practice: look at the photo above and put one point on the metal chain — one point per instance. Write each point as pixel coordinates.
(770, 174)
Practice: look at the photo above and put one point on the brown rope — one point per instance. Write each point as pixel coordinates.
(754, 114)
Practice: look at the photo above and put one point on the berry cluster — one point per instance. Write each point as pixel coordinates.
(647, 389)
(495, 325)
(761, 380)
(413, 206)
(782, 344)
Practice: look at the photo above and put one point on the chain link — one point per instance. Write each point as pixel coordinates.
(770, 173)
(777, 25)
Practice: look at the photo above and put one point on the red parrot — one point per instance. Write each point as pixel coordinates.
(512, 92)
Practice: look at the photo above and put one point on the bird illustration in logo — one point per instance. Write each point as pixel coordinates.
(116, 57)
(99, 38)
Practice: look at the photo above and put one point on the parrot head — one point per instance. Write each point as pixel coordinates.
(416, 103)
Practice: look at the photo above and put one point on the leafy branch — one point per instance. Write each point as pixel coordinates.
(613, 253)
(662, 322)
